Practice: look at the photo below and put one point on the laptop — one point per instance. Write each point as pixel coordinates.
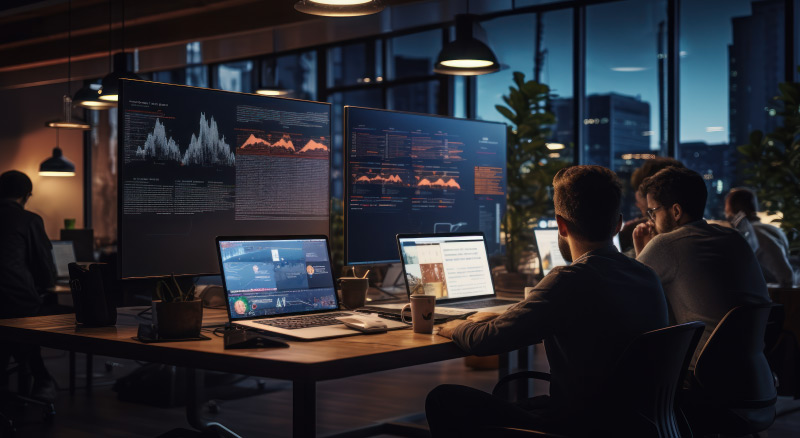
(63, 255)
(454, 267)
(283, 285)
(549, 254)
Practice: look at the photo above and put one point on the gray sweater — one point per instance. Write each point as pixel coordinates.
(706, 270)
(586, 313)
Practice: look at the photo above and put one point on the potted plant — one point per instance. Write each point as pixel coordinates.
(530, 171)
(771, 164)
(176, 312)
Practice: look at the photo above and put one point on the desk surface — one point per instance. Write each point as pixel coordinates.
(303, 361)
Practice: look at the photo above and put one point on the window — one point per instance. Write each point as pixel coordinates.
(413, 55)
(353, 64)
(235, 76)
(732, 59)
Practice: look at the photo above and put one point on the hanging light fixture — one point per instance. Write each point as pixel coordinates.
(468, 54)
(67, 121)
(89, 97)
(57, 165)
(275, 89)
(339, 8)
(110, 84)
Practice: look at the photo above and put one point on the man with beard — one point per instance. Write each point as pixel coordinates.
(586, 313)
(706, 270)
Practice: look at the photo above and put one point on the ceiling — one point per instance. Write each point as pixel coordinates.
(33, 34)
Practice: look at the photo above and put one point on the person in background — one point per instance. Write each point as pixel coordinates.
(586, 313)
(649, 168)
(27, 270)
(772, 246)
(706, 270)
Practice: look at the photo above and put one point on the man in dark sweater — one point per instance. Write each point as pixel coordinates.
(26, 269)
(586, 313)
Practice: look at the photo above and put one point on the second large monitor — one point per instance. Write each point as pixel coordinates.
(414, 173)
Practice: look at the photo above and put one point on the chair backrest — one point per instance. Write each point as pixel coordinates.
(732, 368)
(647, 377)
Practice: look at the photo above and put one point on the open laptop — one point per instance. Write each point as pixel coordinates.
(454, 267)
(63, 255)
(549, 254)
(283, 285)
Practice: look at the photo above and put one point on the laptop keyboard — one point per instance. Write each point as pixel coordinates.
(478, 304)
(305, 321)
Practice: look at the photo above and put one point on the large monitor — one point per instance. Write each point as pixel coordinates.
(196, 163)
(414, 173)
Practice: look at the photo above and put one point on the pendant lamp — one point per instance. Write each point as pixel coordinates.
(110, 85)
(89, 97)
(339, 8)
(275, 89)
(57, 165)
(468, 54)
(67, 121)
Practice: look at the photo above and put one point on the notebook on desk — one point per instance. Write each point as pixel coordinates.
(454, 267)
(283, 285)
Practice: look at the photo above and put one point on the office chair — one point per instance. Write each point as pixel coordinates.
(13, 405)
(639, 396)
(732, 390)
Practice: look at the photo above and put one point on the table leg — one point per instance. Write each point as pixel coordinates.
(89, 372)
(71, 373)
(304, 409)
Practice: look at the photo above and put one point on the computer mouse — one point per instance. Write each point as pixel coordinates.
(366, 323)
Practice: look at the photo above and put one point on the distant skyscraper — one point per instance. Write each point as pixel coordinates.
(756, 66)
(716, 163)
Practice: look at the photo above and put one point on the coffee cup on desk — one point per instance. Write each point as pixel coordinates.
(354, 292)
(422, 307)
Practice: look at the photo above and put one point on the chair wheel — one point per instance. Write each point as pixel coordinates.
(213, 407)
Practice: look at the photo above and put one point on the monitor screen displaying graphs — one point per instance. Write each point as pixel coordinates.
(197, 163)
(414, 173)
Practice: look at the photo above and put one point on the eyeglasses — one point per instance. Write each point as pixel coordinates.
(651, 212)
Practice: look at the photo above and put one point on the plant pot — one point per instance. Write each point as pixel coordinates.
(178, 320)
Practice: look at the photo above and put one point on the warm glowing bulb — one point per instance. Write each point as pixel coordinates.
(554, 146)
(268, 92)
(49, 173)
(467, 63)
(109, 97)
(341, 2)
(94, 104)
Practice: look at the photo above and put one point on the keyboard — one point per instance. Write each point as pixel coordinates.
(478, 304)
(305, 321)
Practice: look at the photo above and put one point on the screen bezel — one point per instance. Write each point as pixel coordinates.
(275, 238)
(345, 150)
(444, 236)
(121, 173)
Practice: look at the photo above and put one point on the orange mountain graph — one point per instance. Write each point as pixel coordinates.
(312, 146)
(394, 179)
(285, 143)
(440, 183)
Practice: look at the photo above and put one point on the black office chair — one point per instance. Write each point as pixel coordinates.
(639, 395)
(732, 390)
(13, 406)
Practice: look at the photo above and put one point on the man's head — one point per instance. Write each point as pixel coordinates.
(675, 196)
(587, 203)
(16, 186)
(741, 199)
(648, 169)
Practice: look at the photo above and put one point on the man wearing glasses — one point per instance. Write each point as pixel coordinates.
(706, 270)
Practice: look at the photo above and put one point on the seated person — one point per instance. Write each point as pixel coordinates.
(586, 313)
(27, 269)
(649, 168)
(706, 270)
(772, 246)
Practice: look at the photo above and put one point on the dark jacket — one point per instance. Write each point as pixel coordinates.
(26, 261)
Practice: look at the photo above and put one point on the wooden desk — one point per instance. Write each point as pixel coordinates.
(304, 363)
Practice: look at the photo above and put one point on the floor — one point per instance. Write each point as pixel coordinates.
(342, 404)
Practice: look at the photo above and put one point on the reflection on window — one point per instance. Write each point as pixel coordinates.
(195, 75)
(297, 72)
(235, 76)
(422, 97)
(354, 64)
(732, 59)
(622, 123)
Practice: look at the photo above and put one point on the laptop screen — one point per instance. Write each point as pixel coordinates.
(547, 244)
(446, 266)
(273, 277)
(63, 255)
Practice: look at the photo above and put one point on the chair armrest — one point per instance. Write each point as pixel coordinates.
(512, 432)
(519, 375)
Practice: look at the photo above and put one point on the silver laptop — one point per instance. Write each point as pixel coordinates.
(283, 285)
(63, 255)
(454, 267)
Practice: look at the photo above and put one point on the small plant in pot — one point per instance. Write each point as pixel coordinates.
(176, 313)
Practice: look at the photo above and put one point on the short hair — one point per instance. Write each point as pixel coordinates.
(678, 185)
(743, 199)
(589, 198)
(650, 167)
(14, 185)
